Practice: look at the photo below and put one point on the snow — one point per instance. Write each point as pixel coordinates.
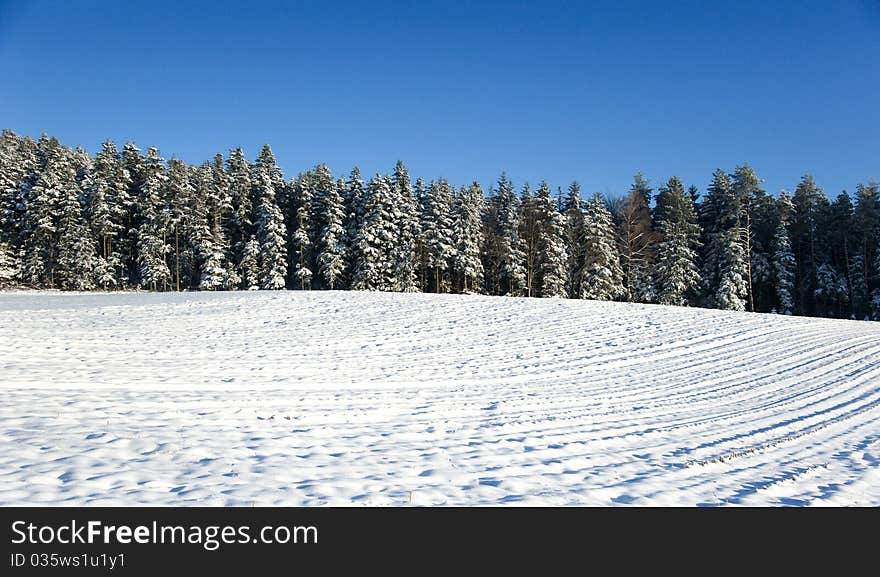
(338, 398)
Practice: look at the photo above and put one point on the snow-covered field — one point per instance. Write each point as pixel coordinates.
(292, 398)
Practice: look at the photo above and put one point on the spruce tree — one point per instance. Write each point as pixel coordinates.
(437, 230)
(76, 247)
(353, 198)
(783, 258)
(552, 255)
(331, 249)
(468, 266)
(151, 238)
(374, 244)
(405, 258)
(44, 190)
(637, 241)
(676, 274)
(241, 222)
(602, 277)
(271, 236)
(574, 232)
(511, 254)
(108, 200)
(301, 239)
(250, 265)
(724, 265)
(809, 201)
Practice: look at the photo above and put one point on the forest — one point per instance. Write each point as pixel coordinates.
(129, 220)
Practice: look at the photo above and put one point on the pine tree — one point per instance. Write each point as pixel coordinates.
(75, 245)
(552, 255)
(468, 267)
(250, 265)
(746, 189)
(8, 266)
(374, 244)
(437, 230)
(301, 239)
(353, 200)
(724, 266)
(529, 232)
(271, 236)
(179, 191)
(602, 277)
(241, 223)
(574, 232)
(783, 259)
(677, 275)
(809, 201)
(151, 239)
(107, 206)
(331, 249)
(17, 172)
(43, 192)
(637, 241)
(405, 258)
(510, 251)
(866, 229)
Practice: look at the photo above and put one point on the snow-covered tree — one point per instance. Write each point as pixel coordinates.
(250, 265)
(602, 277)
(241, 223)
(8, 266)
(552, 254)
(784, 265)
(331, 249)
(511, 255)
(637, 241)
(76, 248)
(271, 236)
(353, 200)
(301, 239)
(725, 271)
(468, 267)
(43, 193)
(108, 202)
(438, 233)
(405, 256)
(374, 244)
(151, 238)
(574, 232)
(676, 273)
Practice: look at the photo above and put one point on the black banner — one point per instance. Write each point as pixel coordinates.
(134, 541)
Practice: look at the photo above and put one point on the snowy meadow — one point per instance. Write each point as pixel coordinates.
(341, 398)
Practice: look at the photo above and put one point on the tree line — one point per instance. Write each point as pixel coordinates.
(127, 219)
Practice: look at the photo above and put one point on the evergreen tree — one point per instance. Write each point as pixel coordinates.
(75, 245)
(677, 275)
(250, 265)
(725, 269)
(271, 236)
(637, 241)
(530, 233)
(241, 223)
(331, 247)
(108, 202)
(809, 201)
(151, 239)
(746, 189)
(42, 196)
(552, 254)
(602, 277)
(301, 240)
(574, 232)
(8, 266)
(179, 192)
(468, 227)
(353, 200)
(437, 230)
(783, 258)
(405, 258)
(866, 229)
(374, 244)
(511, 254)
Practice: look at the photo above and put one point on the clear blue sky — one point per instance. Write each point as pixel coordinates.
(555, 90)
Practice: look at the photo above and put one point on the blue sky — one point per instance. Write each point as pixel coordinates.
(593, 91)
